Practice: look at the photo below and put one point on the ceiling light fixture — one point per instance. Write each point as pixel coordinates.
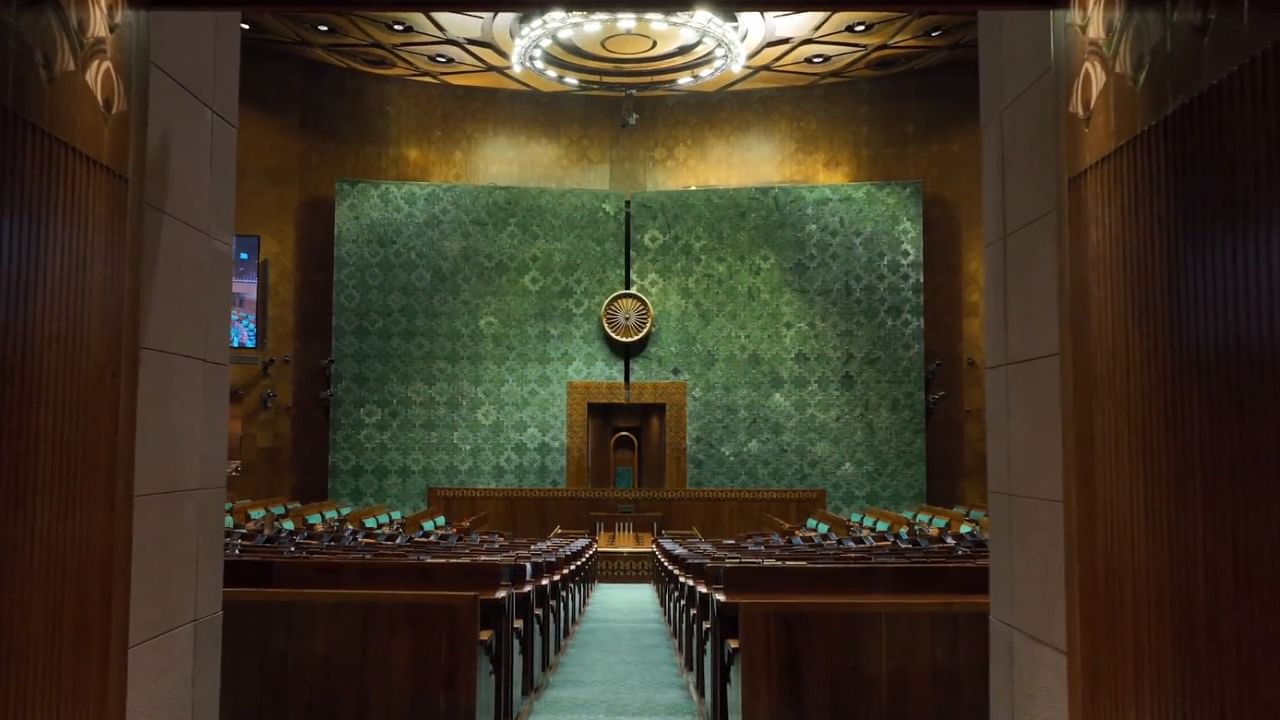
(817, 58)
(244, 25)
(442, 59)
(935, 32)
(321, 27)
(400, 26)
(859, 26)
(716, 43)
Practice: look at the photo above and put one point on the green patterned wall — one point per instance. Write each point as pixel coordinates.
(459, 315)
(794, 313)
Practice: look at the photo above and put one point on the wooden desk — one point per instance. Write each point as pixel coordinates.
(535, 512)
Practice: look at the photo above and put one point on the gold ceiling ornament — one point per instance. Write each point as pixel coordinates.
(621, 53)
(627, 316)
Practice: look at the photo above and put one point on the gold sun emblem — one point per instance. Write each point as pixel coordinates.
(627, 316)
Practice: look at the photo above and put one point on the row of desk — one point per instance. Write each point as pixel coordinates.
(435, 629)
(818, 630)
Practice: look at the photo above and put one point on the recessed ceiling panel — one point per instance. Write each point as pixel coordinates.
(474, 49)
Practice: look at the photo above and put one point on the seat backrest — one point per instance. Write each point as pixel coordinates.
(811, 524)
(822, 527)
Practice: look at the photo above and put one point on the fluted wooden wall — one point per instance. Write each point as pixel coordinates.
(64, 309)
(1173, 369)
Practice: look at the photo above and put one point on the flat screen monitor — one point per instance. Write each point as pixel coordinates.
(248, 293)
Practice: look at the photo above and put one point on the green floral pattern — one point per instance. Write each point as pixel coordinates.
(794, 313)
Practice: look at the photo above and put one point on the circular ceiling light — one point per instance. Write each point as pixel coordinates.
(860, 26)
(936, 32)
(818, 58)
(244, 25)
(707, 46)
(321, 27)
(442, 59)
(400, 26)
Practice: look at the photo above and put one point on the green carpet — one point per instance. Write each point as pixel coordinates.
(620, 664)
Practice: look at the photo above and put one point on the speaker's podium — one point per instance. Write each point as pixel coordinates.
(625, 545)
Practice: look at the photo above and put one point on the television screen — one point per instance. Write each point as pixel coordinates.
(244, 292)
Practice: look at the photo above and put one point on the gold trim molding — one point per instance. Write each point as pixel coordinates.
(584, 493)
(581, 393)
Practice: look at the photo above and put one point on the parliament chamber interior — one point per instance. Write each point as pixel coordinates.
(772, 361)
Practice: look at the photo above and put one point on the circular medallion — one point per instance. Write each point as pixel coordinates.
(627, 316)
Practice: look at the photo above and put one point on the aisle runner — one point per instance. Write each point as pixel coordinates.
(620, 664)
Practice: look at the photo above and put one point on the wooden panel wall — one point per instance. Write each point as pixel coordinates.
(1173, 374)
(530, 512)
(65, 317)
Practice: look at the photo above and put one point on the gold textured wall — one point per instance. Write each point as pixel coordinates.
(304, 125)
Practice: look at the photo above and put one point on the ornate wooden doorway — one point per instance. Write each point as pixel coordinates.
(655, 413)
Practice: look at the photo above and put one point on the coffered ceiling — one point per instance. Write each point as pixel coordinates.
(473, 49)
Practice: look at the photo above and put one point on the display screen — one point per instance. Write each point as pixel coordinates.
(244, 292)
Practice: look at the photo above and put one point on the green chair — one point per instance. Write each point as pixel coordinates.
(396, 515)
(277, 510)
(227, 506)
(909, 514)
(923, 518)
(287, 524)
(429, 525)
(384, 519)
(966, 528)
(331, 514)
(977, 514)
(822, 527)
(370, 523)
(440, 523)
(257, 514)
(313, 519)
(228, 522)
(941, 522)
(344, 511)
(811, 524)
(855, 518)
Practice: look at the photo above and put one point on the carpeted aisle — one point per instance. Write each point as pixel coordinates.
(619, 665)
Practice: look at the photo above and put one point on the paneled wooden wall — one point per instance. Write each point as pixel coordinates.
(1173, 446)
(65, 447)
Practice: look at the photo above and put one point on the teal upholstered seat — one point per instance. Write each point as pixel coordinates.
(344, 511)
(941, 522)
(313, 519)
(882, 525)
(369, 522)
(823, 527)
(811, 524)
(429, 525)
(257, 514)
(966, 527)
(923, 518)
(228, 522)
(396, 515)
(383, 519)
(293, 504)
(330, 514)
(277, 510)
(227, 506)
(977, 514)
(909, 514)
(287, 523)
(855, 518)
(440, 521)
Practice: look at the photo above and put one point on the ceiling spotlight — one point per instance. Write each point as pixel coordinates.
(321, 27)
(593, 26)
(244, 25)
(935, 32)
(860, 26)
(817, 58)
(684, 80)
(570, 81)
(565, 34)
(399, 26)
(626, 23)
(442, 59)
(659, 25)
